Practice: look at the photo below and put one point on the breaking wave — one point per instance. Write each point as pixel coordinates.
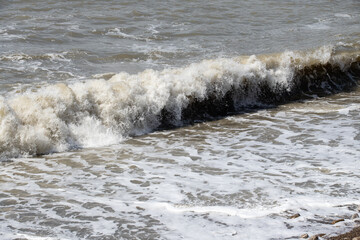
(100, 112)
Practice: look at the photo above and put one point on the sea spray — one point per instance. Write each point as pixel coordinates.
(97, 112)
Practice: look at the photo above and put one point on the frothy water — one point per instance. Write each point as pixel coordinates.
(178, 120)
(236, 178)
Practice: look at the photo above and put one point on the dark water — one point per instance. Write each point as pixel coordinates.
(56, 41)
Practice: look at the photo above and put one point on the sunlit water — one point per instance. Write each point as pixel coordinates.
(236, 177)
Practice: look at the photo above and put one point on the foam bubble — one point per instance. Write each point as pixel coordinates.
(342, 15)
(318, 26)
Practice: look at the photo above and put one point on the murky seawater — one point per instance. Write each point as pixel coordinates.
(149, 120)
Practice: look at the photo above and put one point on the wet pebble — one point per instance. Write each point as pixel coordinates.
(315, 237)
(338, 220)
(305, 235)
(295, 216)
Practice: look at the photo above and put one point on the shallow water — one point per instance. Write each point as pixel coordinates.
(240, 177)
(112, 171)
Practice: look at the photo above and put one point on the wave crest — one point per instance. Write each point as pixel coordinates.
(99, 112)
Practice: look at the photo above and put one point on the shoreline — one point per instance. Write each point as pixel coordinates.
(354, 234)
(346, 227)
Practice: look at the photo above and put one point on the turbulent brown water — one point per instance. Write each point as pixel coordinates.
(178, 120)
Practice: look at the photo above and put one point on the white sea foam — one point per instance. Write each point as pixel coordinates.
(119, 33)
(342, 15)
(318, 26)
(21, 57)
(240, 177)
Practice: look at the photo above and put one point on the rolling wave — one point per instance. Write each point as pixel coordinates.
(100, 112)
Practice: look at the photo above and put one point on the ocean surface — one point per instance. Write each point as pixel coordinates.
(178, 119)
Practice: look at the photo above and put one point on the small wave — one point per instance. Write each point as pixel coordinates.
(318, 26)
(9, 37)
(101, 112)
(342, 15)
(118, 33)
(18, 57)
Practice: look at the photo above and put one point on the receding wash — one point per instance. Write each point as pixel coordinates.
(178, 119)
